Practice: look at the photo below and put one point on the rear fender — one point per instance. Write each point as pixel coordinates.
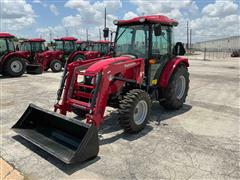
(169, 69)
(22, 55)
(73, 55)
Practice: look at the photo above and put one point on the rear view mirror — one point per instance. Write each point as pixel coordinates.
(158, 30)
(105, 32)
(179, 49)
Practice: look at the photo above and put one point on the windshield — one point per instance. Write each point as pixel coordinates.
(132, 40)
(58, 45)
(25, 46)
(38, 46)
(82, 46)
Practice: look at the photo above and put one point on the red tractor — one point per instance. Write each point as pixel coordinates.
(11, 61)
(68, 47)
(39, 58)
(146, 67)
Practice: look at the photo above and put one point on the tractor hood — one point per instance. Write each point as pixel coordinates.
(52, 54)
(98, 66)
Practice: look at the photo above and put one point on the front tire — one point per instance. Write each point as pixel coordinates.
(134, 110)
(175, 93)
(15, 67)
(56, 66)
(79, 57)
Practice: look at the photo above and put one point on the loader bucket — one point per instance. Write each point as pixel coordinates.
(65, 138)
(34, 69)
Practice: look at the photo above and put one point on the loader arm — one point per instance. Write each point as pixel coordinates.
(104, 79)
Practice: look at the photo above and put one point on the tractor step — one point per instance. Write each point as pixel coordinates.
(65, 138)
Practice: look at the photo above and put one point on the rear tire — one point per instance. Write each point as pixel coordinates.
(14, 67)
(175, 93)
(56, 66)
(134, 110)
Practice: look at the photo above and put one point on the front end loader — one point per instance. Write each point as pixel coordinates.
(146, 67)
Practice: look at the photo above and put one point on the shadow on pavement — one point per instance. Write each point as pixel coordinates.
(110, 125)
(66, 168)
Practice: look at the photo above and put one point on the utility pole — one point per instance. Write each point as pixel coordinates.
(66, 32)
(190, 39)
(187, 36)
(105, 19)
(87, 33)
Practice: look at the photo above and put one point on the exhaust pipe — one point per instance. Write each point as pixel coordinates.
(67, 139)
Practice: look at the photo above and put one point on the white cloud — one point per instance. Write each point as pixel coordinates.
(129, 15)
(90, 16)
(37, 1)
(16, 15)
(54, 9)
(220, 9)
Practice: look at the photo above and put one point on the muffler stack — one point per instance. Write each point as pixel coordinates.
(65, 138)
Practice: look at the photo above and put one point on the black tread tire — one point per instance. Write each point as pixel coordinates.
(79, 56)
(53, 67)
(126, 110)
(79, 112)
(7, 67)
(168, 94)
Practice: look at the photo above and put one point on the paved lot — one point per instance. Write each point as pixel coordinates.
(200, 141)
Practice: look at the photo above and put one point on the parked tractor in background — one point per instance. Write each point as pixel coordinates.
(103, 46)
(146, 67)
(39, 58)
(11, 61)
(68, 47)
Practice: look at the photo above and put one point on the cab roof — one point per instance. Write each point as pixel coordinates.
(66, 39)
(6, 35)
(154, 19)
(35, 40)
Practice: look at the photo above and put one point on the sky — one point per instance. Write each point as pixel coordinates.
(208, 19)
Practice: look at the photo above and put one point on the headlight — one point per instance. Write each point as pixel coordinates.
(141, 20)
(115, 22)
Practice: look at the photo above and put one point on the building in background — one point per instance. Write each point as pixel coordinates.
(225, 44)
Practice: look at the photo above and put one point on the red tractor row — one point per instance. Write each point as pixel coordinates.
(146, 67)
(34, 58)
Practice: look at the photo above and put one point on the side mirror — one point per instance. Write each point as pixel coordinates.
(46, 48)
(158, 30)
(179, 49)
(105, 32)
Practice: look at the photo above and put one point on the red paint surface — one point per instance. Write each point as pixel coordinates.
(169, 68)
(150, 19)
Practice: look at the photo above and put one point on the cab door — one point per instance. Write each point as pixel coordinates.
(160, 53)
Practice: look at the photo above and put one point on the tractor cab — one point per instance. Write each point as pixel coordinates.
(33, 45)
(11, 62)
(6, 44)
(66, 44)
(83, 45)
(102, 46)
(150, 38)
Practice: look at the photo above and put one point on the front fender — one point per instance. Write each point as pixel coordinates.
(23, 56)
(169, 69)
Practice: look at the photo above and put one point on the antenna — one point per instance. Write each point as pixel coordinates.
(87, 33)
(100, 34)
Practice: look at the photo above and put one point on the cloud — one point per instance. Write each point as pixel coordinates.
(129, 15)
(37, 1)
(16, 15)
(54, 9)
(220, 9)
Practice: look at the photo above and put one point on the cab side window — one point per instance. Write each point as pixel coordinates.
(3, 46)
(69, 46)
(160, 44)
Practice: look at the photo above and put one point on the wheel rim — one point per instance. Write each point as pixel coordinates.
(140, 112)
(16, 66)
(180, 87)
(57, 66)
